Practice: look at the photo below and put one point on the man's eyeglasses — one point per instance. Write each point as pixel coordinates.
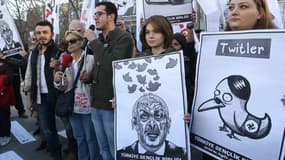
(98, 14)
(72, 41)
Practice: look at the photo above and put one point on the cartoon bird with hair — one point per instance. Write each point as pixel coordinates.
(230, 98)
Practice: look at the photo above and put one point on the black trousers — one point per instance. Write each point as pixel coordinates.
(19, 103)
(5, 125)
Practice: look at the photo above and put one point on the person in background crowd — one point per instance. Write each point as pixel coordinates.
(156, 36)
(198, 32)
(247, 15)
(112, 44)
(179, 43)
(7, 97)
(39, 78)
(16, 61)
(81, 122)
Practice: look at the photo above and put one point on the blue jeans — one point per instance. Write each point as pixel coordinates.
(48, 126)
(104, 128)
(84, 133)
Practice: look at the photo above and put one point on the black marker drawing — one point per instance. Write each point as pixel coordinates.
(10, 47)
(230, 98)
(141, 76)
(151, 120)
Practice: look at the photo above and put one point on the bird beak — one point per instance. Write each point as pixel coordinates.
(213, 103)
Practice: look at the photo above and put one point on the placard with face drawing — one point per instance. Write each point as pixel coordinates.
(237, 111)
(150, 105)
(10, 41)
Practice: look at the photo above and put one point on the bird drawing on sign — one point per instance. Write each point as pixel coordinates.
(230, 98)
(132, 88)
(153, 86)
(127, 77)
(172, 63)
(141, 67)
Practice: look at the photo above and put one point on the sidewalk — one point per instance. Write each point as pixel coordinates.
(27, 151)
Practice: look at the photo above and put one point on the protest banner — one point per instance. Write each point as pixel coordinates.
(178, 12)
(237, 112)
(10, 42)
(150, 104)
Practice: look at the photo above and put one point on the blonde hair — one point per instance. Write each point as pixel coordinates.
(74, 33)
(265, 22)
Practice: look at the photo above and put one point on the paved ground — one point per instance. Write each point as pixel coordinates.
(27, 151)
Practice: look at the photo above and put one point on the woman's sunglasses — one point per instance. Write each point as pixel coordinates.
(72, 41)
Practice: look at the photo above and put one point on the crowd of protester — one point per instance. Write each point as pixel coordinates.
(90, 130)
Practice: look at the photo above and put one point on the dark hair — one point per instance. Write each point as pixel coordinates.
(110, 8)
(180, 39)
(160, 25)
(45, 23)
(265, 22)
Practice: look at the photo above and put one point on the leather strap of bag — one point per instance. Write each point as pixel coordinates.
(78, 73)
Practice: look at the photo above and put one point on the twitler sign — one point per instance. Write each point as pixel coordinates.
(238, 113)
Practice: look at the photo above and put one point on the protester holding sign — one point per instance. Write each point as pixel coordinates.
(156, 35)
(248, 14)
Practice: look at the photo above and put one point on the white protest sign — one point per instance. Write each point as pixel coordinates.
(238, 113)
(10, 41)
(150, 106)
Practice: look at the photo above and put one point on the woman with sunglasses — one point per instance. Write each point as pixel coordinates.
(82, 126)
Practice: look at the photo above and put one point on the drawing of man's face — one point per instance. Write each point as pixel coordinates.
(151, 121)
(6, 33)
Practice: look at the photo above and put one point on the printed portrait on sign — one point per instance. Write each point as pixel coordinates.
(149, 119)
(10, 42)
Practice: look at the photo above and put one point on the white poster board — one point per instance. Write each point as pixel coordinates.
(178, 12)
(10, 41)
(150, 105)
(238, 113)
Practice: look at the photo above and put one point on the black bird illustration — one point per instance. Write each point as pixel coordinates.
(132, 65)
(127, 77)
(141, 89)
(126, 63)
(141, 67)
(172, 63)
(148, 60)
(117, 66)
(153, 86)
(159, 57)
(230, 98)
(152, 71)
(132, 89)
(141, 79)
(156, 77)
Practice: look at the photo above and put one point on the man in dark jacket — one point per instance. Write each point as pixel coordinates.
(39, 76)
(112, 44)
